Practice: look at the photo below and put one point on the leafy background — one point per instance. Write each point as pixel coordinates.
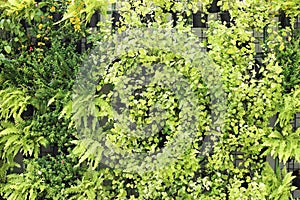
(43, 45)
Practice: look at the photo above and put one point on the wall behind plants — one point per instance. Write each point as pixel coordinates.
(45, 43)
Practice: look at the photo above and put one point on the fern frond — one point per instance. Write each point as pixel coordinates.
(8, 131)
(13, 102)
(88, 150)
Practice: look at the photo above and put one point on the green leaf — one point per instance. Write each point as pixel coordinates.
(7, 49)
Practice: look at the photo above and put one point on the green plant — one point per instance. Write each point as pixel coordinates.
(15, 132)
(13, 103)
(42, 105)
(16, 8)
(283, 141)
(289, 58)
(278, 183)
(83, 10)
(269, 184)
(24, 186)
(15, 138)
(92, 149)
(44, 178)
(93, 185)
(36, 63)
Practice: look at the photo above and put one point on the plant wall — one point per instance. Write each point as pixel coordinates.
(46, 45)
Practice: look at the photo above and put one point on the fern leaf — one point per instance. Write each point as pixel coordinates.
(9, 131)
(11, 141)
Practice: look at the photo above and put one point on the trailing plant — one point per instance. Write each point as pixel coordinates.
(289, 58)
(11, 45)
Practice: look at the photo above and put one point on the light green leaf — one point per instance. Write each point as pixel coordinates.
(7, 49)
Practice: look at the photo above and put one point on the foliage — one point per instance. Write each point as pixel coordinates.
(18, 8)
(15, 133)
(269, 184)
(22, 186)
(15, 138)
(94, 185)
(283, 142)
(42, 106)
(13, 103)
(278, 183)
(38, 65)
(289, 59)
(44, 178)
(83, 10)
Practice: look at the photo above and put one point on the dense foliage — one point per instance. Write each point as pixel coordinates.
(58, 98)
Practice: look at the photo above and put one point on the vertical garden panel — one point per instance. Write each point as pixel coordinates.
(57, 162)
